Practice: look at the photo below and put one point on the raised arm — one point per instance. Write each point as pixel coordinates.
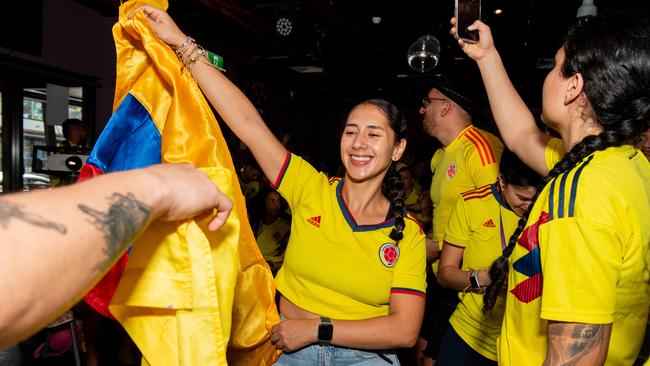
(56, 244)
(513, 118)
(230, 102)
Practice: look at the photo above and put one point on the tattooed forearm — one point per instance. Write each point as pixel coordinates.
(577, 343)
(125, 218)
(9, 211)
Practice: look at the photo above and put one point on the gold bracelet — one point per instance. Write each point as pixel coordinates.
(195, 56)
(188, 41)
(187, 54)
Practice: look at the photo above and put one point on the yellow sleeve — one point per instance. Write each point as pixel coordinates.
(554, 152)
(296, 180)
(409, 274)
(457, 232)
(581, 266)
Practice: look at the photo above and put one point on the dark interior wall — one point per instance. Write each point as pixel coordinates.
(78, 39)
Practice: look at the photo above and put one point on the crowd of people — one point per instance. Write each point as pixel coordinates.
(518, 249)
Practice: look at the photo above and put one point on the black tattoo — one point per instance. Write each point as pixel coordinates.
(10, 211)
(584, 335)
(569, 342)
(125, 218)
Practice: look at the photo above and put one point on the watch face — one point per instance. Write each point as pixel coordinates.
(325, 332)
(473, 279)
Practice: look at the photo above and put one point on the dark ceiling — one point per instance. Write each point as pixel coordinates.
(356, 58)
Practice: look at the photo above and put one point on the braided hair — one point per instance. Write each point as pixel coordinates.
(613, 58)
(392, 188)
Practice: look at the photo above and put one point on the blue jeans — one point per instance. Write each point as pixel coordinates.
(455, 352)
(316, 355)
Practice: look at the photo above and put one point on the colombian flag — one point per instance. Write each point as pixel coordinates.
(186, 296)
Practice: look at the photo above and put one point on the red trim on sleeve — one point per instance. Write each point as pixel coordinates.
(475, 196)
(453, 245)
(283, 170)
(411, 217)
(407, 291)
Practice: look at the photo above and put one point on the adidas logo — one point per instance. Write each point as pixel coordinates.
(314, 221)
(489, 223)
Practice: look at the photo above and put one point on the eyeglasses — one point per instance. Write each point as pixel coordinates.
(427, 100)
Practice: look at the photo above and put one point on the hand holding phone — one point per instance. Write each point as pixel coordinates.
(466, 12)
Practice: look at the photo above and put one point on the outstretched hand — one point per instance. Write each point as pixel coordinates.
(480, 49)
(188, 192)
(163, 25)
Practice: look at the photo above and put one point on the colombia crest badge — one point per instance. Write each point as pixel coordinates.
(389, 254)
(451, 170)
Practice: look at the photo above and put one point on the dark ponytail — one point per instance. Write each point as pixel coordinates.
(500, 267)
(392, 188)
(617, 86)
(394, 191)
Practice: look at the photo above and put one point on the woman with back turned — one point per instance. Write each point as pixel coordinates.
(576, 271)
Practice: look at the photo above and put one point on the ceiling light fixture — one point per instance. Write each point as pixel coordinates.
(498, 11)
(284, 26)
(587, 9)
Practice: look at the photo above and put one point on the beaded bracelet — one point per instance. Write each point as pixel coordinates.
(180, 50)
(194, 56)
(189, 59)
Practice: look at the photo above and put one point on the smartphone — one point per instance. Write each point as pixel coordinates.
(466, 12)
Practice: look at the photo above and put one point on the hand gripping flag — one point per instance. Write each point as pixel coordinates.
(187, 296)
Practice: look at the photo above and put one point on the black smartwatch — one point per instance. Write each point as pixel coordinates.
(473, 280)
(325, 331)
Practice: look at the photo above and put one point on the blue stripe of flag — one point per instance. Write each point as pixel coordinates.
(130, 139)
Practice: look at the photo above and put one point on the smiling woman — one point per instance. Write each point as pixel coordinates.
(375, 298)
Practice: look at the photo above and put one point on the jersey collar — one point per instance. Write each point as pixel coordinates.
(461, 134)
(350, 219)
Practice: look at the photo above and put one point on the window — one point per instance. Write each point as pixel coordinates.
(35, 132)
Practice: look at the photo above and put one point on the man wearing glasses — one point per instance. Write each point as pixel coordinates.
(468, 159)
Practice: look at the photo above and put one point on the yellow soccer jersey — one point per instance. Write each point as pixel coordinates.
(581, 259)
(554, 152)
(333, 266)
(271, 239)
(412, 198)
(481, 222)
(470, 161)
